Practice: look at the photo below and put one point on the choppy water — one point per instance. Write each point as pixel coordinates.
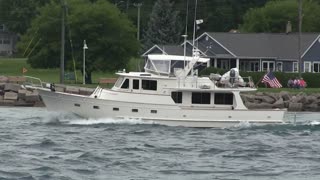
(36, 144)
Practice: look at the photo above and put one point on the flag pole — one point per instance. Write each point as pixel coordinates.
(260, 80)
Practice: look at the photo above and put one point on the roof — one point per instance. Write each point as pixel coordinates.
(280, 45)
(174, 57)
(170, 49)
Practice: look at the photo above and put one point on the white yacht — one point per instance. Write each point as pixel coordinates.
(169, 92)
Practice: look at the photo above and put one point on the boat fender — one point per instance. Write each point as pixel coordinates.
(52, 87)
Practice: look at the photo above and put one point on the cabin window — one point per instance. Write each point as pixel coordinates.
(125, 84)
(96, 107)
(177, 97)
(77, 105)
(149, 85)
(223, 98)
(154, 111)
(115, 109)
(134, 110)
(118, 82)
(135, 84)
(201, 98)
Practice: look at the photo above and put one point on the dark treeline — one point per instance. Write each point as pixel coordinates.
(218, 15)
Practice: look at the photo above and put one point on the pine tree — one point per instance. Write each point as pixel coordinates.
(164, 26)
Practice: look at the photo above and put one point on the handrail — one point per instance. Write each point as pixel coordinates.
(31, 82)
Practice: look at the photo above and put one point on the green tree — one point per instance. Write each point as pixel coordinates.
(274, 16)
(17, 14)
(109, 34)
(164, 26)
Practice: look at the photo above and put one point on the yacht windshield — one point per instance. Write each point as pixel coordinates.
(159, 66)
(119, 82)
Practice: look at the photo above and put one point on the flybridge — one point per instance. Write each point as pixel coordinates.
(170, 64)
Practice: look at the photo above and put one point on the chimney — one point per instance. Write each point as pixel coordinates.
(288, 28)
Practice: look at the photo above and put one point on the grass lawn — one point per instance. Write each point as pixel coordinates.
(13, 67)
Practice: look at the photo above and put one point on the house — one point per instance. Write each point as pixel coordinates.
(255, 51)
(8, 41)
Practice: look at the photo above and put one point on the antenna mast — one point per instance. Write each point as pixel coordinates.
(62, 41)
(194, 24)
(186, 30)
(185, 36)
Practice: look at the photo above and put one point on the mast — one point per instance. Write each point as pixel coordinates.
(195, 54)
(185, 36)
(194, 24)
(62, 42)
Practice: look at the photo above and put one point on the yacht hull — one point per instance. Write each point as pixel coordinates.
(154, 113)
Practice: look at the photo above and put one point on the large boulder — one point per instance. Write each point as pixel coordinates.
(10, 96)
(2, 86)
(22, 94)
(32, 96)
(311, 107)
(7, 102)
(294, 106)
(311, 99)
(266, 99)
(12, 87)
(23, 103)
(278, 104)
(285, 95)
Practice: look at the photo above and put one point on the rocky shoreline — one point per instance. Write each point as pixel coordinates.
(12, 93)
(284, 99)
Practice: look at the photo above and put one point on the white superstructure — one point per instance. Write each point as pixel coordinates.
(169, 92)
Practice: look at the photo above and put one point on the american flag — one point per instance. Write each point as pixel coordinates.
(270, 79)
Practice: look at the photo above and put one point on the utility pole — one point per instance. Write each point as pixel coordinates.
(127, 6)
(299, 37)
(138, 5)
(62, 41)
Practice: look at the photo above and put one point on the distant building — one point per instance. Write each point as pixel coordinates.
(254, 51)
(8, 41)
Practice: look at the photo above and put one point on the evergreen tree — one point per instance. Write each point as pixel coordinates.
(164, 26)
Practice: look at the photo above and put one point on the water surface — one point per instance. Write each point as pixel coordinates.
(37, 144)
